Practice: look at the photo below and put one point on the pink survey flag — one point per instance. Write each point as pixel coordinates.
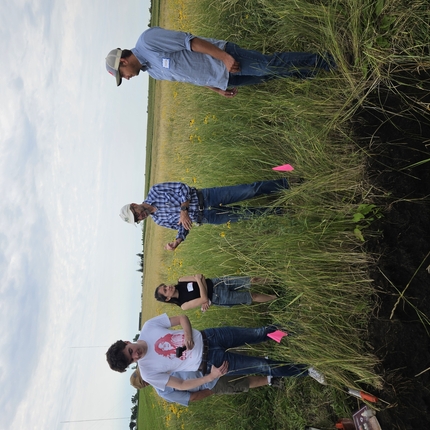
(277, 335)
(284, 168)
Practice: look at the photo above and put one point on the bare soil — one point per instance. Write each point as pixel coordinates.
(394, 130)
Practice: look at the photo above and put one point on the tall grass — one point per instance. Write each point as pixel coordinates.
(311, 256)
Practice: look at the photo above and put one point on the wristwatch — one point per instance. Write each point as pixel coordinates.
(184, 208)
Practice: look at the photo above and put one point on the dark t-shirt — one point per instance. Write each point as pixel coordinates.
(190, 291)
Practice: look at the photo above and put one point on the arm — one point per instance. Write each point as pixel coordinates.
(189, 384)
(184, 218)
(201, 282)
(182, 193)
(200, 395)
(204, 47)
(203, 300)
(229, 93)
(184, 322)
(191, 304)
(171, 246)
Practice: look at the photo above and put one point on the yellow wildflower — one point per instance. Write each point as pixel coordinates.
(192, 122)
(222, 234)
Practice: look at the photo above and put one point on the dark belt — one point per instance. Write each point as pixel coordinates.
(201, 201)
(204, 363)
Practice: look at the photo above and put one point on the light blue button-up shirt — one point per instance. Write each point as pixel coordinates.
(167, 55)
(183, 397)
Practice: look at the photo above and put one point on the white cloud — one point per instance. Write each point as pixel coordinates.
(67, 262)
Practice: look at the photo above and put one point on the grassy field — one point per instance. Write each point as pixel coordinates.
(313, 254)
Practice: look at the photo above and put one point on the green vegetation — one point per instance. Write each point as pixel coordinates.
(312, 254)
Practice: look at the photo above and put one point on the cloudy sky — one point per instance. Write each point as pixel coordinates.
(72, 150)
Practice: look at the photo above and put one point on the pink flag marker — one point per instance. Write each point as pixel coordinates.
(284, 168)
(277, 335)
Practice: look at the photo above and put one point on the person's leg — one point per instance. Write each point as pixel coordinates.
(234, 384)
(257, 67)
(262, 298)
(225, 214)
(221, 196)
(238, 384)
(231, 291)
(223, 338)
(232, 337)
(239, 364)
(257, 381)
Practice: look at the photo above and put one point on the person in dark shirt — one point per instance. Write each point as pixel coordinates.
(197, 291)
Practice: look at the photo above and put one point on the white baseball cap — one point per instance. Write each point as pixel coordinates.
(127, 215)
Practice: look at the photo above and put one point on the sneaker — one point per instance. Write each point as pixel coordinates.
(277, 382)
(319, 377)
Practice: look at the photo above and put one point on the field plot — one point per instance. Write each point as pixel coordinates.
(348, 258)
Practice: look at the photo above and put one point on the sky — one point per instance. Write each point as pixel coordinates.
(72, 149)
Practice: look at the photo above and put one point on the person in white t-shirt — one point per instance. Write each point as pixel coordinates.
(160, 351)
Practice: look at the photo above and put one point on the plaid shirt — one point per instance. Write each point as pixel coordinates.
(167, 197)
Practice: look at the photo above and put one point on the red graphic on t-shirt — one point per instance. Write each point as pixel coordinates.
(167, 345)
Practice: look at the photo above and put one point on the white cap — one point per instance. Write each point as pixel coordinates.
(127, 215)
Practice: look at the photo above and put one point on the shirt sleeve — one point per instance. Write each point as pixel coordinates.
(175, 396)
(184, 193)
(161, 320)
(158, 39)
(182, 233)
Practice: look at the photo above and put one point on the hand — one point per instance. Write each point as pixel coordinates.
(189, 342)
(229, 93)
(217, 372)
(231, 64)
(171, 246)
(205, 306)
(185, 220)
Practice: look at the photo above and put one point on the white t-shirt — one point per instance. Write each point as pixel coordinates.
(160, 360)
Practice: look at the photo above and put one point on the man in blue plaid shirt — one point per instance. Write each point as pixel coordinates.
(177, 206)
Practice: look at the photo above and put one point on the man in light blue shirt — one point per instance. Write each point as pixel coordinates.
(223, 385)
(216, 64)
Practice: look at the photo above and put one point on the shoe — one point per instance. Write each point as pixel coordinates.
(319, 377)
(277, 382)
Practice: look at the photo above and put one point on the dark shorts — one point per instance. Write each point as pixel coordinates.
(231, 385)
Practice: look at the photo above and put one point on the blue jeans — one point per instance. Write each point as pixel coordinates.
(221, 339)
(215, 201)
(257, 67)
